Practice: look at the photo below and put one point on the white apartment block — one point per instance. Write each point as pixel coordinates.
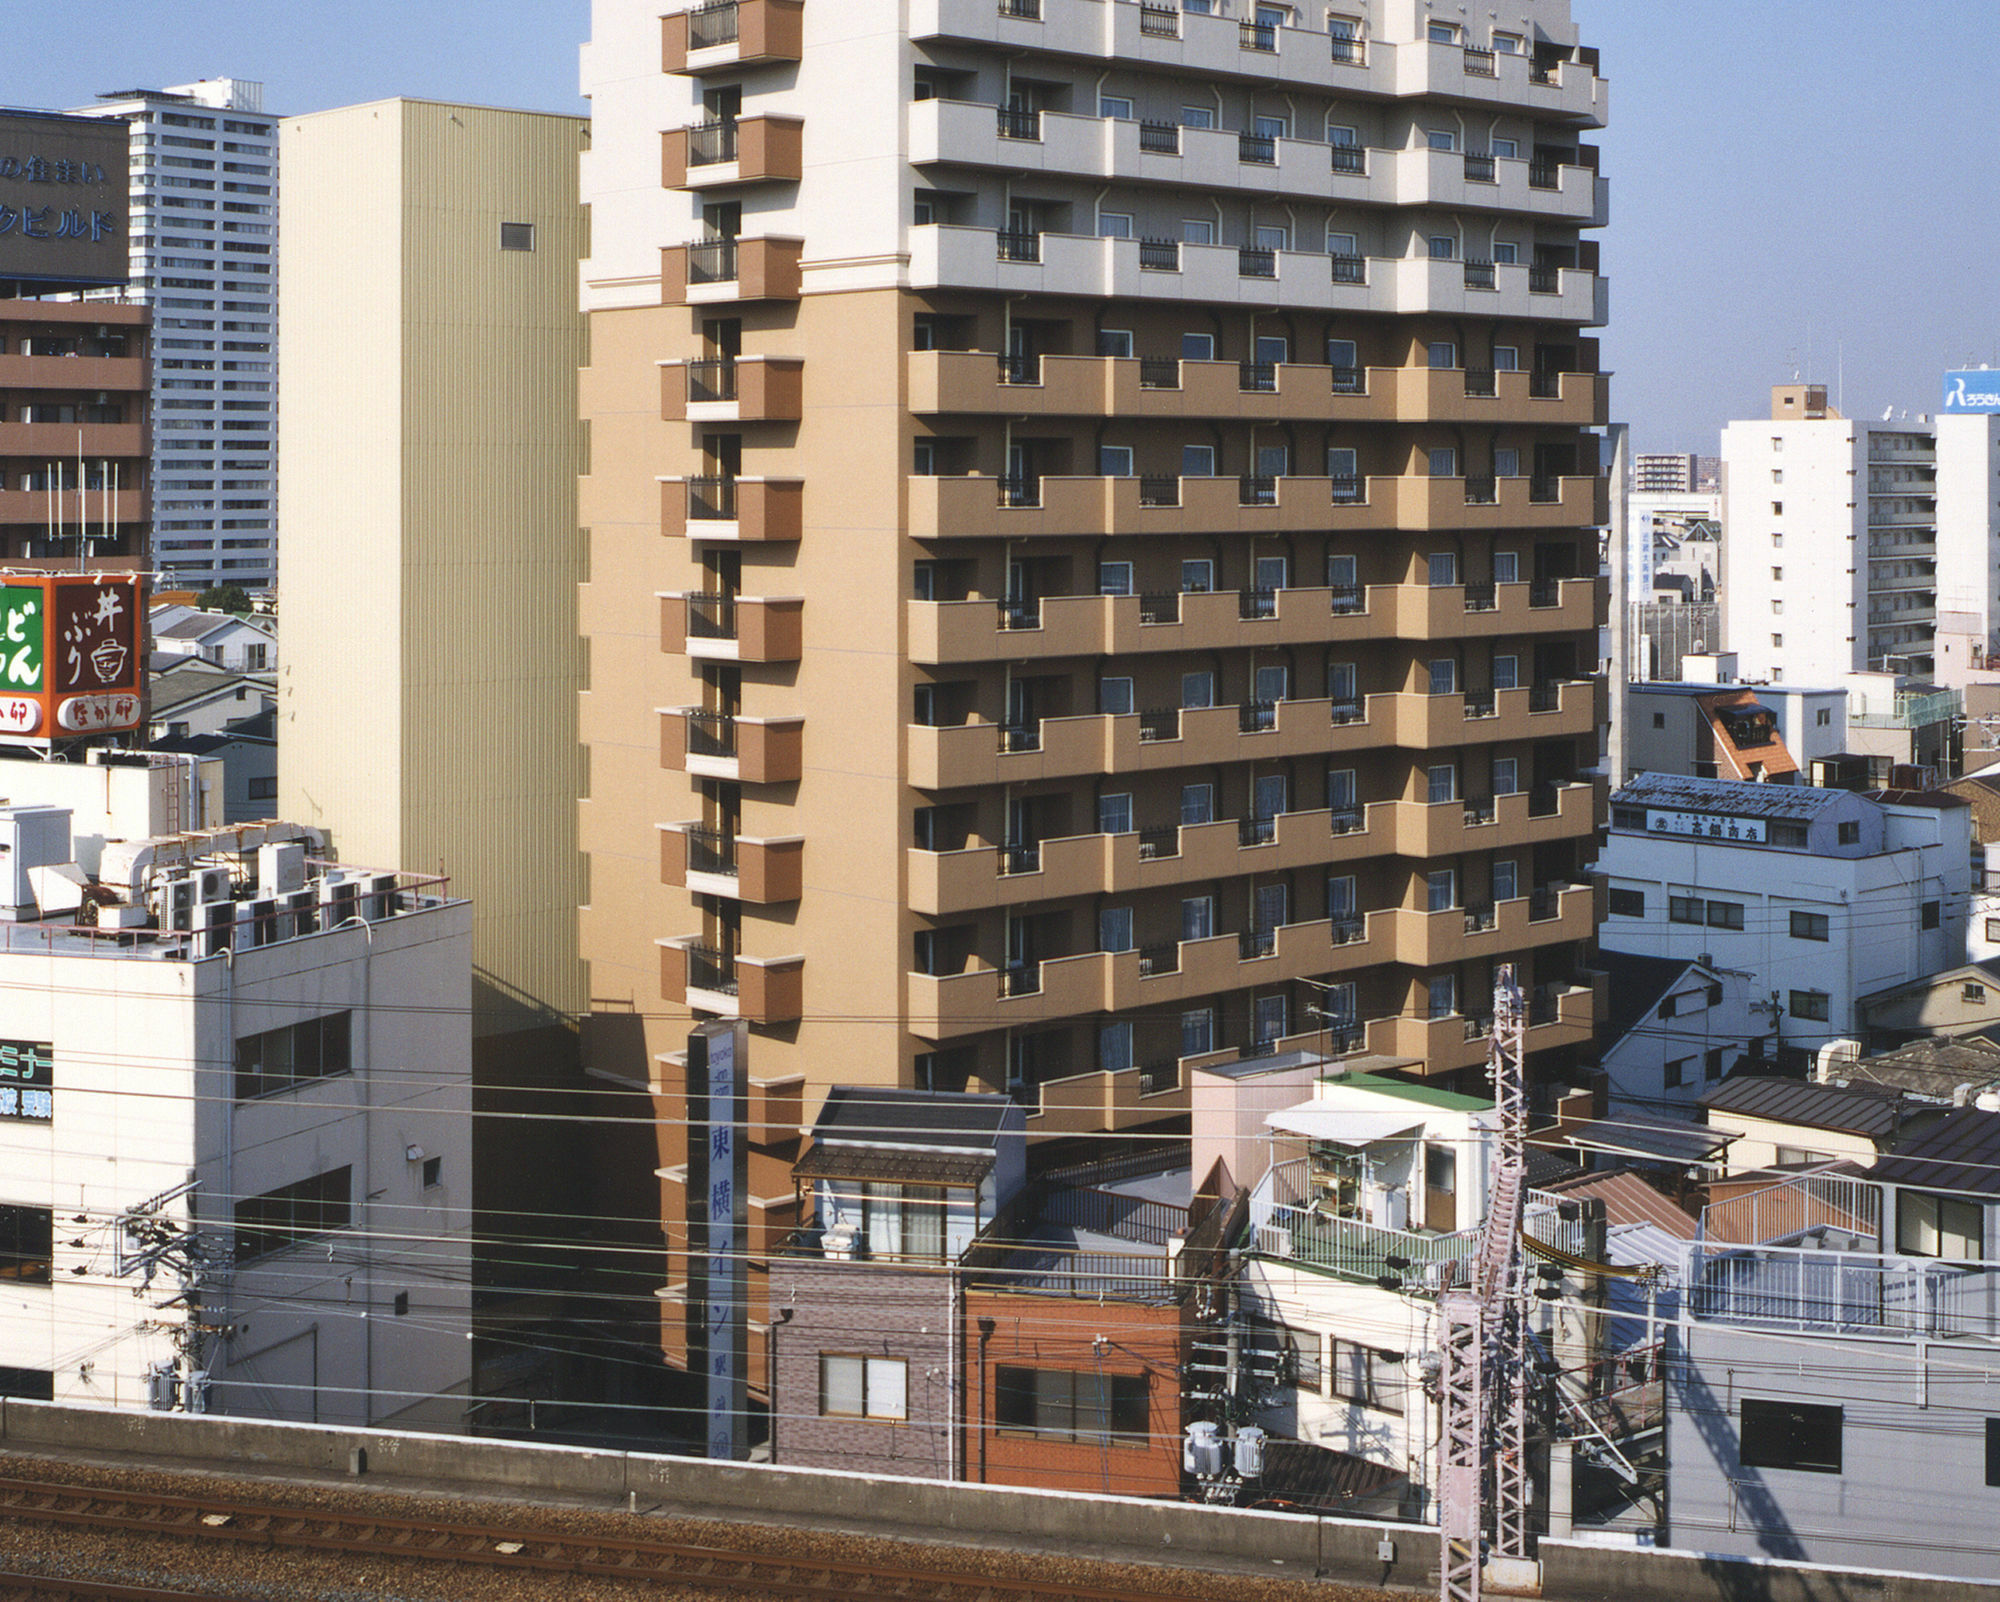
(235, 1131)
(204, 257)
(1860, 546)
(1823, 896)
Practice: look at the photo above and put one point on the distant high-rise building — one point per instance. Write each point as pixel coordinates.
(204, 256)
(1670, 474)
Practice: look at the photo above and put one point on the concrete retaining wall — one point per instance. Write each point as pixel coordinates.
(1574, 1570)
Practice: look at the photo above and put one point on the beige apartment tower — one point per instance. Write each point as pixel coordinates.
(1093, 530)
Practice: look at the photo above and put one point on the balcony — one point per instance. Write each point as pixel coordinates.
(60, 442)
(715, 745)
(1450, 503)
(123, 375)
(750, 868)
(743, 389)
(763, 990)
(728, 154)
(1462, 934)
(734, 509)
(1568, 91)
(1496, 823)
(732, 33)
(953, 256)
(32, 509)
(1485, 717)
(1443, 612)
(975, 507)
(722, 628)
(721, 271)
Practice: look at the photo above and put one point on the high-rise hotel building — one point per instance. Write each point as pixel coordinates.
(204, 256)
(1093, 526)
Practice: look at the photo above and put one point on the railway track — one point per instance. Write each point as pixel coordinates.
(54, 1588)
(490, 1547)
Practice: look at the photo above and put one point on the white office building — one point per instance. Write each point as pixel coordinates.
(204, 256)
(235, 1099)
(1858, 546)
(1822, 896)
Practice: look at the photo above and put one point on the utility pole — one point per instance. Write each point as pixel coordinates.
(1483, 1488)
(149, 1241)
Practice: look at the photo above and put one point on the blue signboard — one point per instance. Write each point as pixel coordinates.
(718, 1216)
(1972, 390)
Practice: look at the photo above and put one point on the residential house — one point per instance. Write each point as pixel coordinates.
(241, 644)
(248, 752)
(1955, 1002)
(1675, 1026)
(200, 699)
(1945, 1072)
(1794, 1123)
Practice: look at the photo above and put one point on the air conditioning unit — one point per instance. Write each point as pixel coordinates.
(380, 902)
(281, 867)
(174, 902)
(215, 884)
(301, 916)
(339, 899)
(215, 928)
(261, 915)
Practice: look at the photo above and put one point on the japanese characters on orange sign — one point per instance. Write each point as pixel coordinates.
(70, 661)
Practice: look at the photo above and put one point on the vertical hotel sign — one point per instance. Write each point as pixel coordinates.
(70, 659)
(718, 1086)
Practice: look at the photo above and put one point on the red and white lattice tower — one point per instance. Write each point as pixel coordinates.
(1483, 1486)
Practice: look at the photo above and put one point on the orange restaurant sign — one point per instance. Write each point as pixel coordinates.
(70, 657)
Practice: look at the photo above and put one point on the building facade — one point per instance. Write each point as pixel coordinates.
(1093, 536)
(1822, 896)
(204, 246)
(235, 1142)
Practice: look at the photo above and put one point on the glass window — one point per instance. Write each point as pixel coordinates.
(1505, 149)
(1790, 1435)
(863, 1387)
(1506, 879)
(1441, 138)
(1342, 682)
(1340, 789)
(1443, 247)
(1197, 804)
(1506, 567)
(1342, 134)
(1197, 116)
(1198, 689)
(1443, 675)
(1810, 1004)
(1444, 461)
(1114, 461)
(1197, 576)
(1809, 926)
(1506, 776)
(1441, 890)
(1198, 918)
(1114, 814)
(1725, 915)
(1342, 244)
(1114, 342)
(1506, 462)
(1114, 578)
(1114, 1040)
(1197, 347)
(1443, 995)
(1114, 225)
(1114, 106)
(1939, 1226)
(1340, 896)
(1198, 230)
(1443, 353)
(1442, 568)
(1507, 671)
(1114, 696)
(1269, 1019)
(1343, 353)
(1197, 1031)
(1627, 904)
(1443, 782)
(1197, 461)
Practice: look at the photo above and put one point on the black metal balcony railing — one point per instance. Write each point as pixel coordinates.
(1479, 704)
(1348, 51)
(1544, 279)
(1478, 62)
(1160, 723)
(1254, 943)
(1021, 857)
(712, 143)
(1348, 381)
(1020, 369)
(711, 500)
(1258, 150)
(1545, 386)
(711, 734)
(711, 616)
(1346, 598)
(1020, 492)
(1478, 1026)
(1254, 717)
(1350, 158)
(1156, 1078)
(1349, 712)
(1479, 275)
(1159, 372)
(1543, 801)
(711, 851)
(1346, 489)
(1543, 1006)
(1347, 820)
(1016, 246)
(1257, 35)
(712, 25)
(1256, 602)
(1255, 263)
(1256, 489)
(1481, 383)
(1160, 255)
(1544, 902)
(1160, 606)
(1159, 22)
(1480, 918)
(712, 261)
(1349, 269)
(1481, 812)
(1256, 831)
(1156, 960)
(1545, 697)
(1021, 978)
(1257, 378)
(713, 379)
(1545, 592)
(1155, 844)
(1017, 123)
(1479, 169)
(1481, 597)
(1544, 175)
(1027, 10)
(1015, 737)
(1481, 489)
(710, 969)
(1160, 138)
(1545, 489)
(1347, 930)
(1158, 490)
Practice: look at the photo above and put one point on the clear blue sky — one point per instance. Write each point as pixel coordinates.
(1796, 184)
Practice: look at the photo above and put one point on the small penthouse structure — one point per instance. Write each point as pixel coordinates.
(235, 1112)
